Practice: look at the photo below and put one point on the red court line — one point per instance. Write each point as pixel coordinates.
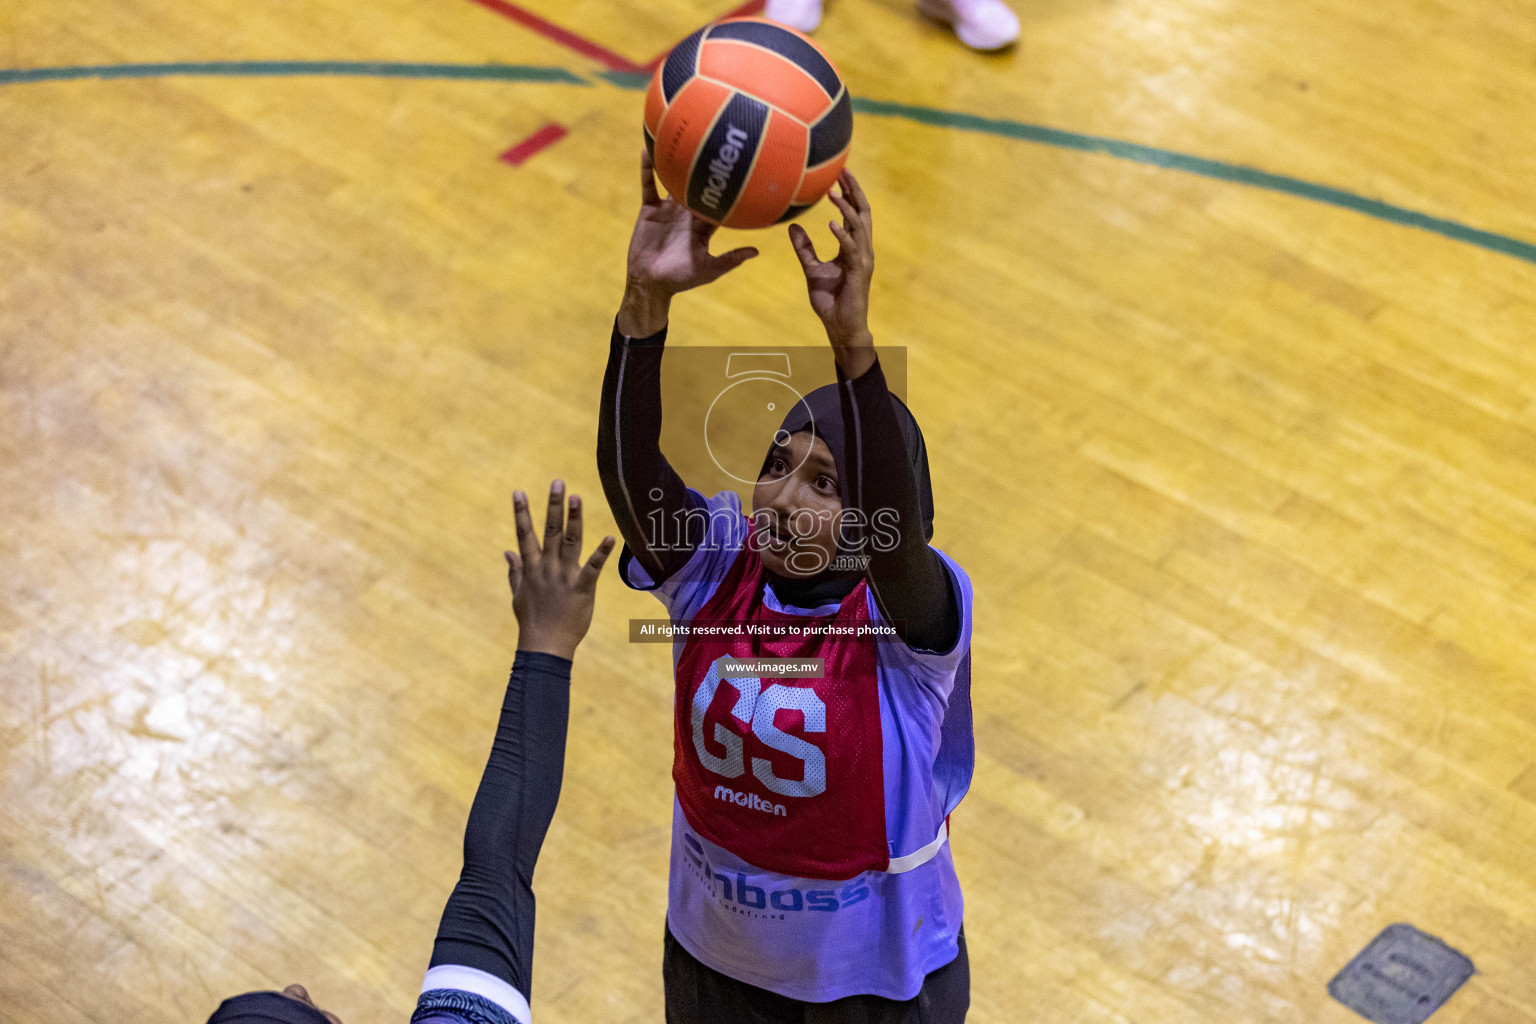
(552, 133)
(549, 30)
(586, 47)
(541, 139)
(748, 8)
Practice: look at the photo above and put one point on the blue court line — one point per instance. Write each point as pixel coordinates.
(1003, 128)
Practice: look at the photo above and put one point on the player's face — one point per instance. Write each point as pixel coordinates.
(302, 995)
(795, 507)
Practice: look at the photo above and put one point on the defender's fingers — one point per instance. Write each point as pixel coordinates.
(527, 543)
(648, 193)
(514, 571)
(570, 544)
(594, 566)
(554, 516)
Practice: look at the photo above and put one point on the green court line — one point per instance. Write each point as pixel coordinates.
(1204, 167)
(1135, 152)
(289, 68)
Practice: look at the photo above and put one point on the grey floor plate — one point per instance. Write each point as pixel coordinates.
(1402, 977)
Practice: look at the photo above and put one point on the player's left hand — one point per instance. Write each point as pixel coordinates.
(553, 591)
(839, 287)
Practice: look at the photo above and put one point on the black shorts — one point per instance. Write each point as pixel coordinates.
(700, 995)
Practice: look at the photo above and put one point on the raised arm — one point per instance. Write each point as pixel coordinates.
(486, 933)
(482, 961)
(909, 581)
(641, 486)
(668, 253)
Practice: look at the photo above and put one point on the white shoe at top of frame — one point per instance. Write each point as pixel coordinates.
(980, 24)
(803, 15)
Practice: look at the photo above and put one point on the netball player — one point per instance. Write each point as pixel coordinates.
(811, 879)
(482, 961)
(980, 24)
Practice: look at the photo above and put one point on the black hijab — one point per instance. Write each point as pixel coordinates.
(820, 413)
(265, 1008)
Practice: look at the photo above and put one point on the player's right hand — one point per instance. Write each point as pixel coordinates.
(669, 250)
(553, 591)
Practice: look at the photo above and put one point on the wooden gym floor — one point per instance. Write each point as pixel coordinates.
(1242, 465)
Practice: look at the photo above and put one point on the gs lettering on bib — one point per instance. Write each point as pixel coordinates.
(785, 773)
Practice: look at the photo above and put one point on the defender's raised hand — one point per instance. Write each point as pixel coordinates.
(839, 287)
(553, 591)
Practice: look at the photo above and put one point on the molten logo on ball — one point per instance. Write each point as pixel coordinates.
(720, 167)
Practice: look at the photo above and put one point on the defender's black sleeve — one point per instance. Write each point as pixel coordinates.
(641, 487)
(488, 922)
(910, 581)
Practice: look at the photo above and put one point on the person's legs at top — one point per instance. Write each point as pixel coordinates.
(801, 15)
(980, 24)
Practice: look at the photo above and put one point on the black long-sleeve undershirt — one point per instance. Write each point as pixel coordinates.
(910, 581)
(641, 486)
(487, 923)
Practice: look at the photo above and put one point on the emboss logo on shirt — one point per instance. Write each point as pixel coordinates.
(736, 894)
